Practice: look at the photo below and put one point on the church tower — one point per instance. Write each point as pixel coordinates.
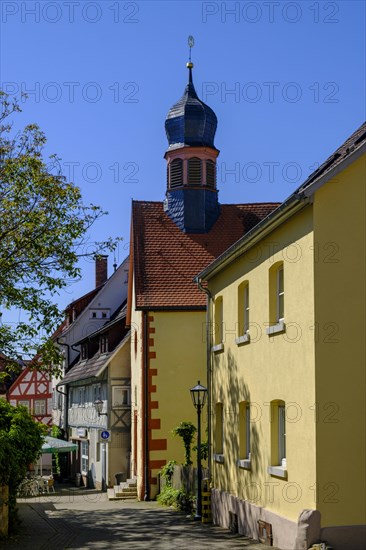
(192, 196)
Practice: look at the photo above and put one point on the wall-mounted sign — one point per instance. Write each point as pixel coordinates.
(105, 435)
(81, 432)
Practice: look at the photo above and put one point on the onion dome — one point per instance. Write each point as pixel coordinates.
(190, 122)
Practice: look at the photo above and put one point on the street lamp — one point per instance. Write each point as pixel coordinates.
(198, 394)
(98, 405)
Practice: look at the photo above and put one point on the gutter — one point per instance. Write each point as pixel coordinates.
(209, 373)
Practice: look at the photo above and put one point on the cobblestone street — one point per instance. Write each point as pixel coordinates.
(87, 520)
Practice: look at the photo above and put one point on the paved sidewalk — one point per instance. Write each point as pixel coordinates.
(87, 520)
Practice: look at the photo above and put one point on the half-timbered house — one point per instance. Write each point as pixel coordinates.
(32, 389)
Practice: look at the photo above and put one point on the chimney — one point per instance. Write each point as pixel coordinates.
(101, 270)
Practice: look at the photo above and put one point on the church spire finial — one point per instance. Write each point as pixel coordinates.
(190, 64)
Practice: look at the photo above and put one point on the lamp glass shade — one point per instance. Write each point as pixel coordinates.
(198, 394)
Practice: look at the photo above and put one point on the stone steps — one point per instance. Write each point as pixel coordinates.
(126, 490)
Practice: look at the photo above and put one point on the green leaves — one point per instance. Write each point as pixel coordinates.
(21, 440)
(186, 431)
(43, 228)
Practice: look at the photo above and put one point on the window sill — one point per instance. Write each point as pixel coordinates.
(278, 471)
(217, 348)
(244, 463)
(244, 339)
(218, 458)
(276, 329)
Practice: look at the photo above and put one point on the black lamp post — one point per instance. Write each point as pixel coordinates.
(98, 405)
(198, 394)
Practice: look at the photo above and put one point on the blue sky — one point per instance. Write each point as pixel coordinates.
(286, 80)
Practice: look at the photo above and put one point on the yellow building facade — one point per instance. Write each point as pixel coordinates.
(287, 366)
(163, 369)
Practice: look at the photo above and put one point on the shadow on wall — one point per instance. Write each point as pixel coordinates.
(238, 482)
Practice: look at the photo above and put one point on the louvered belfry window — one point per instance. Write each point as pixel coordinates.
(176, 173)
(194, 171)
(210, 174)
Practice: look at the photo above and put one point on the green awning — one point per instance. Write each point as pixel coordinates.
(53, 445)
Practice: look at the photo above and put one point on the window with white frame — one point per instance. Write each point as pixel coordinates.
(278, 465)
(84, 451)
(246, 307)
(39, 407)
(219, 317)
(276, 319)
(120, 396)
(280, 294)
(103, 344)
(281, 435)
(24, 403)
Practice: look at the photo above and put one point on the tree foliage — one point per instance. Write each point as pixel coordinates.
(21, 440)
(43, 231)
(186, 431)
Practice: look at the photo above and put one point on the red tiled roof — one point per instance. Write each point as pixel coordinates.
(166, 259)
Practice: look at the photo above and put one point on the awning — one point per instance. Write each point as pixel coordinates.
(53, 445)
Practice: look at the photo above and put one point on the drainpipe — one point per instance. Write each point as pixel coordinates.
(66, 414)
(146, 405)
(209, 371)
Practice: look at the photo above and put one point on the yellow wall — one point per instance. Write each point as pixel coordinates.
(279, 367)
(180, 347)
(339, 233)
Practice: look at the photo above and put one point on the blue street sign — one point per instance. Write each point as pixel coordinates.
(105, 434)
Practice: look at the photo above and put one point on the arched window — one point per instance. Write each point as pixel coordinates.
(176, 173)
(194, 171)
(210, 174)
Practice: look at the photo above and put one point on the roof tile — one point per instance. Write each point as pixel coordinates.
(166, 259)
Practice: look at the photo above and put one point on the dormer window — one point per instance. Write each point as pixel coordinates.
(194, 171)
(84, 351)
(99, 314)
(103, 344)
